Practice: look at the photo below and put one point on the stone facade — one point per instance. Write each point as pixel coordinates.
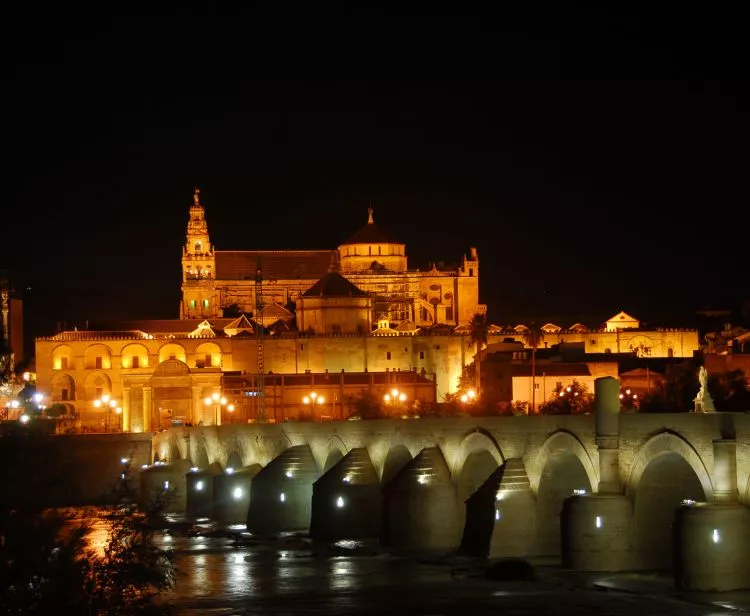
(215, 281)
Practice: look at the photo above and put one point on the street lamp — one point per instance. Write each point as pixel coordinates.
(469, 396)
(109, 405)
(394, 396)
(217, 400)
(313, 400)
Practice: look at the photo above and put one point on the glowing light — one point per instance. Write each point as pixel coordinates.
(144, 465)
(715, 536)
(230, 408)
(38, 398)
(394, 392)
(627, 391)
(237, 493)
(27, 376)
(464, 398)
(229, 470)
(215, 397)
(124, 460)
(402, 397)
(24, 418)
(289, 474)
(340, 502)
(497, 514)
(562, 393)
(199, 486)
(688, 501)
(282, 497)
(598, 521)
(166, 485)
(97, 403)
(471, 393)
(306, 400)
(223, 401)
(105, 398)
(320, 400)
(194, 469)
(347, 479)
(207, 401)
(622, 396)
(500, 495)
(568, 389)
(422, 479)
(387, 397)
(579, 492)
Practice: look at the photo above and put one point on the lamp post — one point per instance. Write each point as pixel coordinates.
(395, 398)
(313, 400)
(217, 400)
(469, 396)
(109, 404)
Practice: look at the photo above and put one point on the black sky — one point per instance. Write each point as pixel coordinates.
(598, 161)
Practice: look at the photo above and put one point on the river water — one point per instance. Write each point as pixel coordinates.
(226, 572)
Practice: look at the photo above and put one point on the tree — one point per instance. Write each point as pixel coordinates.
(533, 337)
(730, 391)
(675, 394)
(364, 405)
(568, 400)
(46, 562)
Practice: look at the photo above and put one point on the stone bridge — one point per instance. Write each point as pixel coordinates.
(492, 485)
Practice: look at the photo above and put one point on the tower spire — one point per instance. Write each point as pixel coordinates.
(370, 221)
(196, 195)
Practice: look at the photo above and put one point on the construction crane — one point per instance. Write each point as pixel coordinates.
(260, 382)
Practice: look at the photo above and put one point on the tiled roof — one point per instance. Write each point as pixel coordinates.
(165, 326)
(274, 264)
(334, 284)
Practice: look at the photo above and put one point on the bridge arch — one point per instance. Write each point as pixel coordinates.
(667, 471)
(335, 451)
(559, 444)
(561, 467)
(234, 460)
(478, 456)
(669, 443)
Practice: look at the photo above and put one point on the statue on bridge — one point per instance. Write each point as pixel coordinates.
(704, 403)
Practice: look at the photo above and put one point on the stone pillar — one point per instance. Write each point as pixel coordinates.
(725, 470)
(126, 427)
(712, 551)
(607, 417)
(196, 411)
(597, 529)
(147, 410)
(216, 409)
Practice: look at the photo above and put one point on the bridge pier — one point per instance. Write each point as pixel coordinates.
(513, 524)
(281, 493)
(347, 500)
(165, 480)
(199, 488)
(712, 540)
(421, 506)
(232, 495)
(597, 529)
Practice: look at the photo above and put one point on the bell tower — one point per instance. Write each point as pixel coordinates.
(198, 266)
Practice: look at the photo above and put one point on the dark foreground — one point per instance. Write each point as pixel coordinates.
(219, 575)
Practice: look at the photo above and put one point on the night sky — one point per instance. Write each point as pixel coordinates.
(593, 172)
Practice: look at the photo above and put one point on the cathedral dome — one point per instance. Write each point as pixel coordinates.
(371, 234)
(372, 249)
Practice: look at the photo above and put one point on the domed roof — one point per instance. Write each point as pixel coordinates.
(334, 284)
(371, 234)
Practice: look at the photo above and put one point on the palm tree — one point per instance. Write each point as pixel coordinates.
(478, 334)
(533, 337)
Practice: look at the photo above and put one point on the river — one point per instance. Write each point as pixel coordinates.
(219, 574)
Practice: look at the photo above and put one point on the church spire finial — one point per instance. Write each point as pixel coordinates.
(196, 195)
(370, 221)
